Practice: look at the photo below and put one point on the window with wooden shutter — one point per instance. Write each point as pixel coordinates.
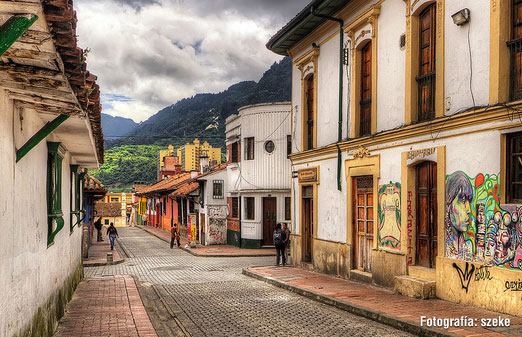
(366, 90)
(426, 77)
(309, 92)
(249, 148)
(55, 221)
(514, 167)
(515, 47)
(288, 145)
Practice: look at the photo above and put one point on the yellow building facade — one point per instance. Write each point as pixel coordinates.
(189, 155)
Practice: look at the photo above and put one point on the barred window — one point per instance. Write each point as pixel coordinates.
(288, 204)
(217, 189)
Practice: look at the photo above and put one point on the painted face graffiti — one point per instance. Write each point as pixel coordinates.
(477, 227)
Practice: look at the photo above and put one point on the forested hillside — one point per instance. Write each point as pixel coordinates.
(133, 157)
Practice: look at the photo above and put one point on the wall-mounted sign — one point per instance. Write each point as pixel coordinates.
(308, 175)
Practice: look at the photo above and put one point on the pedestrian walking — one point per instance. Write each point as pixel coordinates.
(174, 235)
(279, 237)
(286, 241)
(113, 233)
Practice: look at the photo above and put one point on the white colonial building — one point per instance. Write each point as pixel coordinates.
(407, 141)
(50, 133)
(258, 182)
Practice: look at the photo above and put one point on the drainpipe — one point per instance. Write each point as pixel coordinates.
(340, 123)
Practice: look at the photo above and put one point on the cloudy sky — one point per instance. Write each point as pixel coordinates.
(148, 54)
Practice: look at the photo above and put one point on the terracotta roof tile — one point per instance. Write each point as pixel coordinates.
(106, 209)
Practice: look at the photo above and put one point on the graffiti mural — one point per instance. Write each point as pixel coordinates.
(477, 227)
(389, 211)
(217, 225)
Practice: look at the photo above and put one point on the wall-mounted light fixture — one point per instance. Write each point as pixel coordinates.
(461, 17)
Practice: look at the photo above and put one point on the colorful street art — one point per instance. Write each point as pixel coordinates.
(477, 227)
(389, 211)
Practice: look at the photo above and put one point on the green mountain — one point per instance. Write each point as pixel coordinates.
(134, 157)
(204, 115)
(113, 127)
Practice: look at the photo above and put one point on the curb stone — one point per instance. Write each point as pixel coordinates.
(100, 264)
(374, 315)
(188, 250)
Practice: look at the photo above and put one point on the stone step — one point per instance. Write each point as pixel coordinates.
(415, 287)
(361, 276)
(422, 272)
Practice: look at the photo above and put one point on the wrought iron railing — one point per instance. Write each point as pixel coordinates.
(426, 101)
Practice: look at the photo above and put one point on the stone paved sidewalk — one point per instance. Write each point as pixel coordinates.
(98, 252)
(107, 306)
(214, 250)
(381, 304)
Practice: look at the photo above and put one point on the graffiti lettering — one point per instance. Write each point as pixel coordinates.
(513, 285)
(482, 274)
(410, 229)
(465, 276)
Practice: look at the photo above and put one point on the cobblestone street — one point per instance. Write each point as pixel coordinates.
(208, 296)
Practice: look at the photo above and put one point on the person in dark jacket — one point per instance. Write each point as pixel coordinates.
(98, 226)
(279, 239)
(112, 233)
(174, 235)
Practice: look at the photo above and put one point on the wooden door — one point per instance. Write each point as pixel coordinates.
(366, 90)
(269, 220)
(310, 112)
(363, 222)
(426, 194)
(308, 223)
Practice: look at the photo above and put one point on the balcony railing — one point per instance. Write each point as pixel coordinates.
(515, 48)
(426, 102)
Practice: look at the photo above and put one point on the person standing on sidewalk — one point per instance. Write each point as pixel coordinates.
(286, 241)
(98, 226)
(174, 235)
(279, 237)
(113, 233)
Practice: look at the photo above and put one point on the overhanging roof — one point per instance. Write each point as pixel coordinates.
(303, 24)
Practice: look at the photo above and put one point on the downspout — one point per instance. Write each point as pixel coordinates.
(340, 123)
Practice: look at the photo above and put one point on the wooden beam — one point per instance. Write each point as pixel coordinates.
(46, 109)
(66, 94)
(29, 98)
(29, 54)
(31, 71)
(34, 37)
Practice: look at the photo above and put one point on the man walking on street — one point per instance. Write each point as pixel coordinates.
(98, 226)
(112, 232)
(174, 235)
(286, 241)
(279, 237)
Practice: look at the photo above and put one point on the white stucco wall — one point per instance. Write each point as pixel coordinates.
(457, 60)
(391, 65)
(30, 272)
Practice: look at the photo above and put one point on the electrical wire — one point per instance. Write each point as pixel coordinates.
(470, 67)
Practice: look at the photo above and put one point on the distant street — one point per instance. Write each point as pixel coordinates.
(186, 295)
